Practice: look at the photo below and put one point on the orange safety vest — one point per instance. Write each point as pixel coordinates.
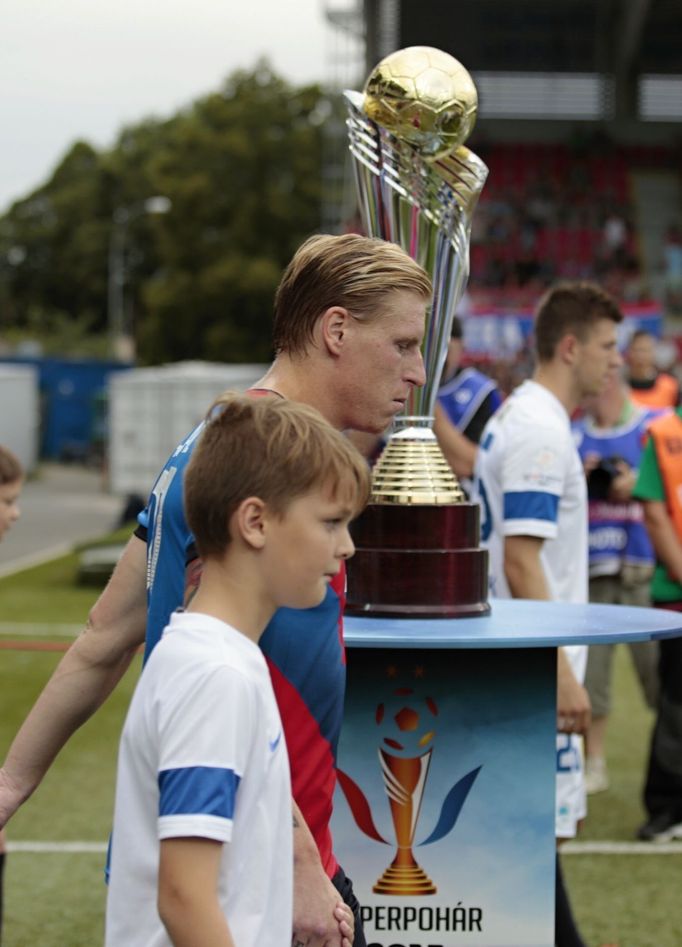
(667, 437)
(663, 393)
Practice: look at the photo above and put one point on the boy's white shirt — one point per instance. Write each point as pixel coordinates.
(203, 718)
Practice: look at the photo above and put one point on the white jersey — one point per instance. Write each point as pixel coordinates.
(530, 482)
(203, 755)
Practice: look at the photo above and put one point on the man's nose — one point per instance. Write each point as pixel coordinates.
(416, 375)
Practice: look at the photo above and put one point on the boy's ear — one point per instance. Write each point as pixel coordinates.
(334, 325)
(249, 521)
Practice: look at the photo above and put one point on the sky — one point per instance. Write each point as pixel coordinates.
(81, 69)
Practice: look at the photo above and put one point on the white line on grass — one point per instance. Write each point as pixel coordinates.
(27, 629)
(621, 848)
(570, 848)
(61, 848)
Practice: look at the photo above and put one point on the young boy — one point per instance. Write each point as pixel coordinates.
(11, 482)
(202, 837)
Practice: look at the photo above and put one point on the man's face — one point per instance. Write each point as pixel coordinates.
(382, 363)
(9, 505)
(642, 358)
(598, 358)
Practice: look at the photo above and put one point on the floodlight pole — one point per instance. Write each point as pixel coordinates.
(120, 341)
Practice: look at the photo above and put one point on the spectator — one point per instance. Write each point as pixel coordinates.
(659, 487)
(648, 386)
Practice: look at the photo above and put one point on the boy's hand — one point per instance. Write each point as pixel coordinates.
(320, 919)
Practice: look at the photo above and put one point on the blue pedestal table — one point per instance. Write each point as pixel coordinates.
(444, 813)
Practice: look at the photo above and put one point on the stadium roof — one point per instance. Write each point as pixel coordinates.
(612, 58)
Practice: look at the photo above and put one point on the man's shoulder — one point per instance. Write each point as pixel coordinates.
(528, 414)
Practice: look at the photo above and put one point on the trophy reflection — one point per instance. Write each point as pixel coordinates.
(404, 780)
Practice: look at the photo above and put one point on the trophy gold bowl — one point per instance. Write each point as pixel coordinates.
(417, 551)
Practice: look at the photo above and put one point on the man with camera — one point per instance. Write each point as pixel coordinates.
(610, 439)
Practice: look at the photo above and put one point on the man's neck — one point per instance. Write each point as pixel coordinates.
(297, 379)
(559, 383)
(615, 415)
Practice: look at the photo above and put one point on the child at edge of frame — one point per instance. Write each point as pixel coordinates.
(201, 848)
(11, 482)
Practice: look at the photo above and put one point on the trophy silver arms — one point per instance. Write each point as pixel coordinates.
(426, 207)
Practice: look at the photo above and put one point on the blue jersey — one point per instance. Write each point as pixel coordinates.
(303, 649)
(463, 396)
(617, 534)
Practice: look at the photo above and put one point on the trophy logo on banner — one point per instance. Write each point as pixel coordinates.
(417, 550)
(407, 733)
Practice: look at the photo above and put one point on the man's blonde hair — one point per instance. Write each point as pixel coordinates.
(355, 272)
(270, 448)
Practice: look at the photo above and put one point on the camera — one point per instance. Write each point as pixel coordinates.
(601, 477)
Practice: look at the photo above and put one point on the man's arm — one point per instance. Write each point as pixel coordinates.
(459, 451)
(82, 681)
(188, 893)
(664, 539)
(526, 579)
(321, 919)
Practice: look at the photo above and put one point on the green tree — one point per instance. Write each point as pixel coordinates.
(241, 168)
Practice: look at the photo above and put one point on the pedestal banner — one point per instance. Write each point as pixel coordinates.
(444, 814)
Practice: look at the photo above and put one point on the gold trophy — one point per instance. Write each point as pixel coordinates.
(404, 780)
(418, 185)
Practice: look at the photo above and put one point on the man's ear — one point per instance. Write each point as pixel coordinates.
(568, 348)
(248, 521)
(335, 323)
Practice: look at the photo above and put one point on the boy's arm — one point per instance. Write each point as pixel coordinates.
(187, 898)
(321, 919)
(82, 681)
(526, 578)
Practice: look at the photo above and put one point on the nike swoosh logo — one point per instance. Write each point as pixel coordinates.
(275, 743)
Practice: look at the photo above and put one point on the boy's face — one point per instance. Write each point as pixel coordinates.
(305, 546)
(9, 505)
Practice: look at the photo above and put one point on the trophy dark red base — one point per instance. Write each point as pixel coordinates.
(417, 543)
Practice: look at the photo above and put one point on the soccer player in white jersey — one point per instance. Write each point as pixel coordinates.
(530, 482)
(201, 848)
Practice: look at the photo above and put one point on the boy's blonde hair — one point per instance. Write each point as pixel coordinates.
(270, 448)
(10, 468)
(348, 270)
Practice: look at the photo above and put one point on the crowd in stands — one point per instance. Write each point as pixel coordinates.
(548, 213)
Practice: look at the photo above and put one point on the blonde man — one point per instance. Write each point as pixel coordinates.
(349, 323)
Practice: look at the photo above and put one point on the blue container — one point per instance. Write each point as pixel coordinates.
(73, 404)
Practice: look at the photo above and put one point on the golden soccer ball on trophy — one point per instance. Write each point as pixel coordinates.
(424, 96)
